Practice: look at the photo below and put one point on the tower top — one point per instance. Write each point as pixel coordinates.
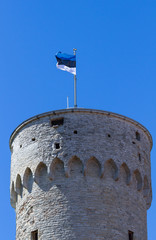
(79, 174)
(81, 110)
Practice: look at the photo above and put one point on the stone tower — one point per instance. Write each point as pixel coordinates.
(80, 174)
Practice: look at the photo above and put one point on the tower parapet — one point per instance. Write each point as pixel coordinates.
(81, 174)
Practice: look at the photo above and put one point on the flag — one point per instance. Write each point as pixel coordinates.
(66, 62)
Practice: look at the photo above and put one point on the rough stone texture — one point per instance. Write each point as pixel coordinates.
(97, 185)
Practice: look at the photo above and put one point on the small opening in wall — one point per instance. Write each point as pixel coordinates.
(57, 122)
(139, 155)
(133, 142)
(109, 135)
(57, 145)
(130, 235)
(21, 146)
(75, 131)
(138, 136)
(33, 139)
(34, 235)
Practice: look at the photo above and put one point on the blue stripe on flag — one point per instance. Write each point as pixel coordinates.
(65, 56)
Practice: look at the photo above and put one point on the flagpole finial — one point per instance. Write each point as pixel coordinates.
(74, 50)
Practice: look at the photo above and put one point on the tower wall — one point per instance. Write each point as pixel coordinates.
(81, 174)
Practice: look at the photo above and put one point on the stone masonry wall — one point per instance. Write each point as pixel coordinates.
(81, 174)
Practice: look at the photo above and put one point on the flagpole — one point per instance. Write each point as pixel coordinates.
(67, 102)
(75, 92)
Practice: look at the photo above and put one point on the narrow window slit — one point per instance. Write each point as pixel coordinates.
(138, 136)
(139, 155)
(21, 146)
(75, 131)
(130, 235)
(34, 235)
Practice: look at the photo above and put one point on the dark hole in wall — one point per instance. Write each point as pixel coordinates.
(21, 146)
(133, 142)
(109, 135)
(34, 235)
(57, 145)
(75, 131)
(138, 136)
(33, 139)
(139, 155)
(57, 122)
(130, 235)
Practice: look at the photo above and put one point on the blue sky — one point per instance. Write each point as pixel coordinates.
(116, 69)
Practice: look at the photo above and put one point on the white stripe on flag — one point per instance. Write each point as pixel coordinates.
(65, 68)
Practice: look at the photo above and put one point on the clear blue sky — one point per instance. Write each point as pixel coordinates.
(116, 69)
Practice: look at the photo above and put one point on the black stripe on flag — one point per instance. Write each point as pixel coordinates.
(67, 63)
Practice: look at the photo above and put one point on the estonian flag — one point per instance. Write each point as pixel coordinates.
(66, 62)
